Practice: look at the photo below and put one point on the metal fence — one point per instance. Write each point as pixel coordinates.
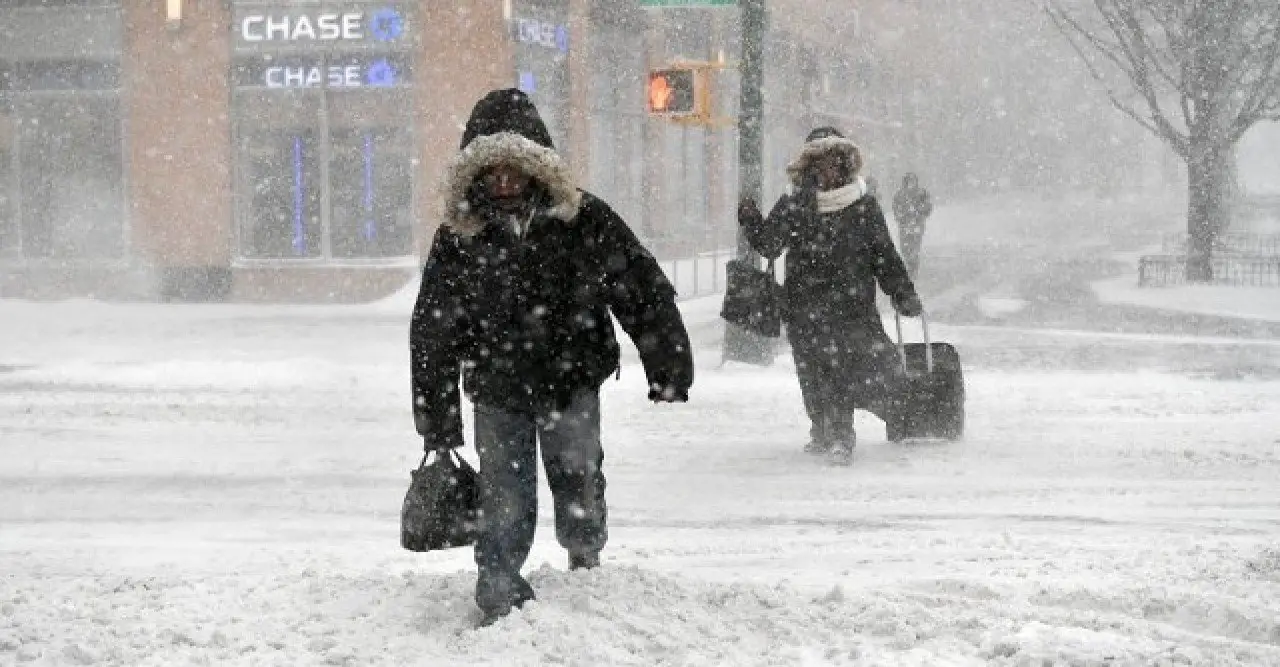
(702, 274)
(1229, 269)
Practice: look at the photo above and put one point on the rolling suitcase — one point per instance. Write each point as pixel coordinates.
(929, 402)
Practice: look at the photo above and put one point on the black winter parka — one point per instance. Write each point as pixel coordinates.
(524, 316)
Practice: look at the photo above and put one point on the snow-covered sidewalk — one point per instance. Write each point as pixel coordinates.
(1244, 302)
(221, 485)
(1252, 303)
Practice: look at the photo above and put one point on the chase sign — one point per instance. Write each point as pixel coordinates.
(302, 26)
(368, 70)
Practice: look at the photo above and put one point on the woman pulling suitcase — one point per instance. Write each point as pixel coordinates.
(838, 248)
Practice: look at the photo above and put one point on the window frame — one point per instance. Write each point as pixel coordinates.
(316, 106)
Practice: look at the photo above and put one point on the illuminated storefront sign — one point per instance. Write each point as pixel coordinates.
(546, 34)
(351, 72)
(384, 25)
(333, 76)
(323, 128)
(260, 28)
(326, 45)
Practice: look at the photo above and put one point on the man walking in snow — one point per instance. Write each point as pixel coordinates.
(838, 247)
(516, 298)
(911, 208)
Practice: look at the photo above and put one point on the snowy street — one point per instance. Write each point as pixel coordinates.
(219, 221)
(222, 484)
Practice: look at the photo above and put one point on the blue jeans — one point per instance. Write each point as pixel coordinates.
(572, 456)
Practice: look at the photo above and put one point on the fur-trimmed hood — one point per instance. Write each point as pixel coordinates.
(542, 164)
(825, 145)
(505, 129)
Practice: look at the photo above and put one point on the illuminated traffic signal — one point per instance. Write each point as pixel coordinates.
(673, 92)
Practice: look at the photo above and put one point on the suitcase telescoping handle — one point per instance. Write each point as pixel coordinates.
(928, 345)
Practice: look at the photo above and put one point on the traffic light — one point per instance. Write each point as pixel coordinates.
(673, 92)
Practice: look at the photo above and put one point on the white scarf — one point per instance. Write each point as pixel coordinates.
(830, 201)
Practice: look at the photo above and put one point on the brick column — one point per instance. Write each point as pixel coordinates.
(176, 101)
(464, 51)
(580, 89)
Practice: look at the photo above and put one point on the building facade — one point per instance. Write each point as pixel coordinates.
(62, 174)
(291, 150)
(230, 149)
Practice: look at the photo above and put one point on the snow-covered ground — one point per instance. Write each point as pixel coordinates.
(1256, 303)
(221, 485)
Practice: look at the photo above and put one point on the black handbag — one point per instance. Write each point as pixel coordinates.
(442, 507)
(752, 298)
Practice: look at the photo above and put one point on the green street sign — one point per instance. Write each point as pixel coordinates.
(688, 3)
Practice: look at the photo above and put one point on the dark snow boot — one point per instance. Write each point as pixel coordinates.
(498, 594)
(817, 446)
(819, 440)
(842, 444)
(584, 560)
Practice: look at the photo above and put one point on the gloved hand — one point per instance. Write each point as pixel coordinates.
(663, 389)
(805, 197)
(909, 306)
(747, 210)
(442, 442)
(668, 394)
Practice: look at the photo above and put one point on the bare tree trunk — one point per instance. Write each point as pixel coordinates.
(1235, 189)
(1209, 198)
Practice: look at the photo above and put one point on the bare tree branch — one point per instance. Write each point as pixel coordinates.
(1263, 101)
(1117, 53)
(1134, 50)
(1160, 60)
(1217, 61)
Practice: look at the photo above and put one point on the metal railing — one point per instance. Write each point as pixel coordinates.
(702, 274)
(1240, 270)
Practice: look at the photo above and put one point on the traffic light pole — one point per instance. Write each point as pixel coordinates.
(751, 108)
(739, 344)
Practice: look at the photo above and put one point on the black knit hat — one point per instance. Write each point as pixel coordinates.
(507, 110)
(823, 133)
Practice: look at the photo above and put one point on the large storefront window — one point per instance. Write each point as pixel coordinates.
(323, 132)
(283, 174)
(70, 177)
(540, 31)
(372, 193)
(61, 143)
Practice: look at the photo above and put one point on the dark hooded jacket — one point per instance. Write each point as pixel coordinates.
(834, 259)
(524, 317)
